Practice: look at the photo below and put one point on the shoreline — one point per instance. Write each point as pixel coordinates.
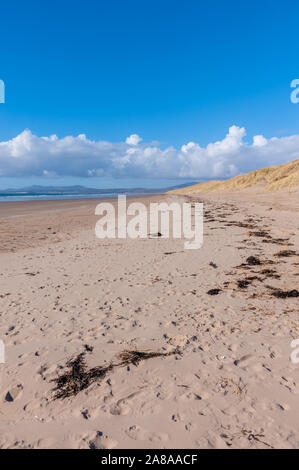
(35, 223)
(67, 203)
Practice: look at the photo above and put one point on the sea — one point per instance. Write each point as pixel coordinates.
(48, 196)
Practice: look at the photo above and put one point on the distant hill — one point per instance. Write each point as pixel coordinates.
(270, 179)
(38, 190)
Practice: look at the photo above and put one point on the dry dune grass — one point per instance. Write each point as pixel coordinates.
(272, 178)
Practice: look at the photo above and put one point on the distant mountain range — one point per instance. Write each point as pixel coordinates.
(79, 190)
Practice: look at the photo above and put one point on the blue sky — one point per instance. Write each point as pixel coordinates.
(172, 72)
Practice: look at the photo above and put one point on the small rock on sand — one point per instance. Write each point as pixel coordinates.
(14, 393)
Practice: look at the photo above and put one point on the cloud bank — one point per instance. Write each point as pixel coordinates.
(30, 155)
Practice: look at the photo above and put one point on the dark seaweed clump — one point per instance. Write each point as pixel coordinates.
(214, 291)
(285, 253)
(135, 357)
(285, 294)
(243, 284)
(78, 377)
(213, 265)
(260, 233)
(252, 260)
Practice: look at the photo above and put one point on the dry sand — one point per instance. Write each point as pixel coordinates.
(231, 385)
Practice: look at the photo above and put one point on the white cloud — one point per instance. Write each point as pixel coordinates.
(30, 155)
(134, 139)
(259, 141)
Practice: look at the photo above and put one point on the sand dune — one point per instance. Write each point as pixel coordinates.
(269, 179)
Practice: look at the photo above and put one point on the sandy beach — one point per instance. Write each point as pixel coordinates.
(224, 312)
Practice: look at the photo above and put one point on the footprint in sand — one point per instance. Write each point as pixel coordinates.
(118, 410)
(121, 407)
(101, 442)
(158, 437)
(243, 361)
(137, 433)
(177, 340)
(190, 427)
(283, 406)
(177, 417)
(45, 443)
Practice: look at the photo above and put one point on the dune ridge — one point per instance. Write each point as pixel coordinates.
(272, 178)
